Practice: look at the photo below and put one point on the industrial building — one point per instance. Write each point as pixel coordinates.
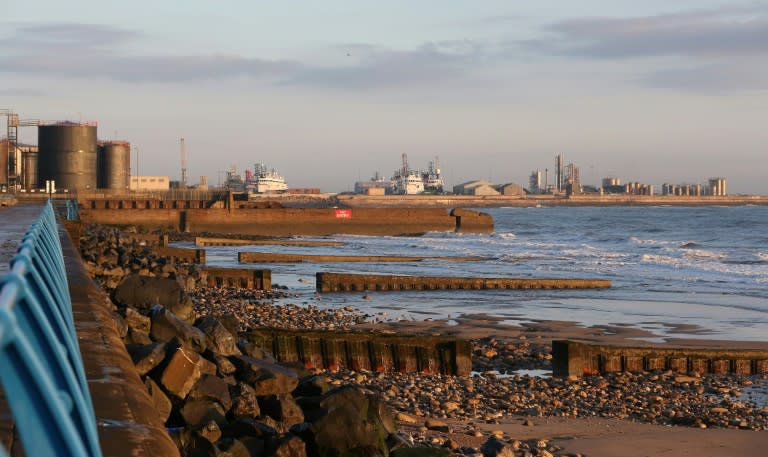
(67, 153)
(511, 190)
(478, 187)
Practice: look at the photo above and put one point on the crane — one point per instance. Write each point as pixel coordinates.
(183, 165)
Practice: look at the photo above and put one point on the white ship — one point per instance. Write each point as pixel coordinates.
(406, 181)
(265, 180)
(408, 184)
(433, 180)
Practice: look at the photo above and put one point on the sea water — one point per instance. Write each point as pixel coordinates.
(691, 272)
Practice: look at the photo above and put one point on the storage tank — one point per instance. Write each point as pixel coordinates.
(3, 162)
(67, 154)
(114, 165)
(29, 169)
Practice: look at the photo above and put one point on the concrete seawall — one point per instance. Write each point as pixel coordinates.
(571, 358)
(362, 351)
(336, 282)
(294, 221)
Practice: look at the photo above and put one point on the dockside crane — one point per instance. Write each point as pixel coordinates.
(12, 137)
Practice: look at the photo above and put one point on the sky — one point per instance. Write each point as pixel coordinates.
(330, 92)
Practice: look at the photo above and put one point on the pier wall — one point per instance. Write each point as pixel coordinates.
(571, 358)
(293, 221)
(128, 421)
(338, 282)
(363, 351)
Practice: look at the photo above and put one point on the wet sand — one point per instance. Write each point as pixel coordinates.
(474, 326)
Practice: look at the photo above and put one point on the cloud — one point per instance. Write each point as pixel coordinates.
(98, 51)
(373, 66)
(746, 75)
(721, 32)
(88, 51)
(146, 68)
(22, 93)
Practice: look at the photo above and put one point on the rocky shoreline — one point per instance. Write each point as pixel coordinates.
(234, 399)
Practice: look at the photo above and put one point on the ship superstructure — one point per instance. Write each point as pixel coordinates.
(265, 180)
(406, 181)
(433, 180)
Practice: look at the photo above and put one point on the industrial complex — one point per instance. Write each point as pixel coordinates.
(69, 157)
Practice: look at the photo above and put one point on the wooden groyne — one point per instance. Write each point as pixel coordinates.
(337, 282)
(243, 278)
(206, 241)
(268, 257)
(363, 351)
(182, 254)
(570, 358)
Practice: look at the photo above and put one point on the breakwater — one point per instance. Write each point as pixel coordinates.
(570, 358)
(279, 221)
(269, 257)
(362, 351)
(336, 282)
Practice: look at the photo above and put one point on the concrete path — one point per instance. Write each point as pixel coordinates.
(14, 223)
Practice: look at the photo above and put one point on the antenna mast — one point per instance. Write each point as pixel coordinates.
(406, 170)
(183, 165)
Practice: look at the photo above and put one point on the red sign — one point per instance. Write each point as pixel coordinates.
(343, 214)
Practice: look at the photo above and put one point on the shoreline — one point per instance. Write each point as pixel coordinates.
(476, 326)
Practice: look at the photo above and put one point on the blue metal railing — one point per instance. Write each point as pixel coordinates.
(67, 208)
(41, 369)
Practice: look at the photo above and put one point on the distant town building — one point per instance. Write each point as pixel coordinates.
(636, 188)
(378, 191)
(234, 181)
(376, 182)
(535, 184)
(611, 182)
(303, 191)
(150, 183)
(559, 173)
(572, 180)
(717, 187)
(203, 183)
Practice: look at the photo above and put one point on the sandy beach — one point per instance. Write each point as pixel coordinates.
(592, 436)
(502, 348)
